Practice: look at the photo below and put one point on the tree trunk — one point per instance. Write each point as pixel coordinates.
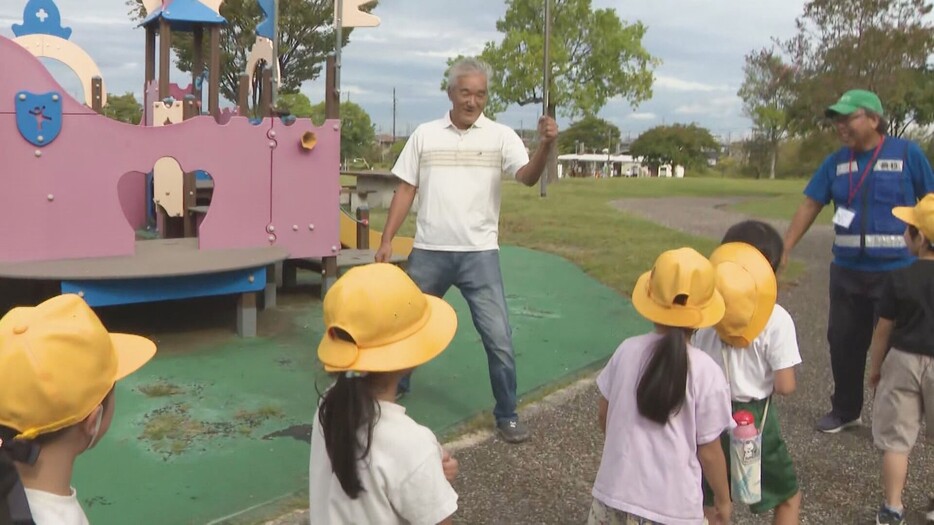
(773, 161)
(551, 170)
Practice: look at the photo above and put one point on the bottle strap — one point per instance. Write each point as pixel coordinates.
(726, 369)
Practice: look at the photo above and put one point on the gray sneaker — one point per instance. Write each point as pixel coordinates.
(512, 431)
(831, 423)
(887, 516)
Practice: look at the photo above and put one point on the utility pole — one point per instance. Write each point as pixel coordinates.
(393, 115)
(546, 84)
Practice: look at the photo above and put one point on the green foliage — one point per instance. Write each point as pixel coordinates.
(296, 104)
(880, 45)
(594, 57)
(767, 96)
(306, 37)
(124, 108)
(686, 145)
(357, 133)
(592, 132)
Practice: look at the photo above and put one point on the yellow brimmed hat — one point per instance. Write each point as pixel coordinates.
(394, 326)
(58, 363)
(747, 283)
(679, 273)
(921, 216)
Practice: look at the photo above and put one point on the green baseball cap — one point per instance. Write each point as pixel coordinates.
(853, 100)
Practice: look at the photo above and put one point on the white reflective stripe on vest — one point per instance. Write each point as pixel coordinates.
(872, 241)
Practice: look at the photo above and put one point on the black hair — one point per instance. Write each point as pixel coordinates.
(14, 508)
(663, 385)
(762, 236)
(914, 232)
(346, 408)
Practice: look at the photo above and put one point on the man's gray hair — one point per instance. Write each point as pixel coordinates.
(467, 66)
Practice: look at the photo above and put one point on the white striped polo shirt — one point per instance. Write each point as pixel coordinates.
(458, 174)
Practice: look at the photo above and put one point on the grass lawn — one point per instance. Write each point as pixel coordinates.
(578, 222)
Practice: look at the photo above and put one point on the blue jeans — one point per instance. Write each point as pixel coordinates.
(478, 277)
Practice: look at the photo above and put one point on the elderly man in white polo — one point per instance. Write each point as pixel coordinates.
(456, 164)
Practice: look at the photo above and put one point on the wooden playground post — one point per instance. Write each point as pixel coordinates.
(165, 48)
(150, 54)
(265, 101)
(214, 72)
(363, 228)
(243, 95)
(197, 63)
(97, 93)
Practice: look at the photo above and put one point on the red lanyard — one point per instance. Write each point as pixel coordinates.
(866, 170)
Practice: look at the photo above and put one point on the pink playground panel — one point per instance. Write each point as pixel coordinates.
(63, 201)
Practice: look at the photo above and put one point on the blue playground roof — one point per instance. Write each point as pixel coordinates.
(184, 15)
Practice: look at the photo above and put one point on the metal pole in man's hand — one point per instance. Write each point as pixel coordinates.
(275, 54)
(339, 32)
(546, 73)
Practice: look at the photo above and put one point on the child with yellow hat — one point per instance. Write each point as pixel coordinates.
(902, 362)
(58, 368)
(756, 345)
(664, 404)
(370, 462)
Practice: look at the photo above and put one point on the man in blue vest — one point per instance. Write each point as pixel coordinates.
(871, 174)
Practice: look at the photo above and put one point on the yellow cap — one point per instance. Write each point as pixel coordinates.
(921, 216)
(749, 288)
(681, 272)
(394, 326)
(58, 362)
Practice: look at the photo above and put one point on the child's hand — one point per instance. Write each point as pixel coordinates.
(724, 512)
(874, 377)
(450, 466)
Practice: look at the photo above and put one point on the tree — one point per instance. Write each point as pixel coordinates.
(357, 132)
(767, 97)
(124, 108)
(594, 57)
(594, 133)
(296, 104)
(306, 38)
(880, 45)
(679, 144)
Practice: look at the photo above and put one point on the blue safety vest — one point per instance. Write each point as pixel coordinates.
(874, 231)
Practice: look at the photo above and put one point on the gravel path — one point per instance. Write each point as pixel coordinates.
(548, 479)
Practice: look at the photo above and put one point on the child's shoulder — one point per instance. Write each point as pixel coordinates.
(779, 318)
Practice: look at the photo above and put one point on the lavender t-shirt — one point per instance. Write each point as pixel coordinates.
(652, 470)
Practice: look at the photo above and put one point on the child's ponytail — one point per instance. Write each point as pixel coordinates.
(347, 407)
(14, 509)
(663, 384)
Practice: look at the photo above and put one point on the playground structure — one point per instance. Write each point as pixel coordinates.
(78, 189)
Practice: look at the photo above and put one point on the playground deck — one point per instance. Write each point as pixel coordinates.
(217, 425)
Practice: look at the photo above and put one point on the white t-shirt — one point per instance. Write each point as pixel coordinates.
(52, 509)
(752, 369)
(458, 174)
(402, 477)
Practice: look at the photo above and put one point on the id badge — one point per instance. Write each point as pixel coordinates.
(844, 217)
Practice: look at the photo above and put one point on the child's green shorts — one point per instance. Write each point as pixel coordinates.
(779, 482)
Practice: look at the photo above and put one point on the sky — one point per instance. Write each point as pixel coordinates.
(701, 45)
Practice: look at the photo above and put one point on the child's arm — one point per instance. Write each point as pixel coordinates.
(713, 463)
(603, 407)
(785, 381)
(878, 348)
